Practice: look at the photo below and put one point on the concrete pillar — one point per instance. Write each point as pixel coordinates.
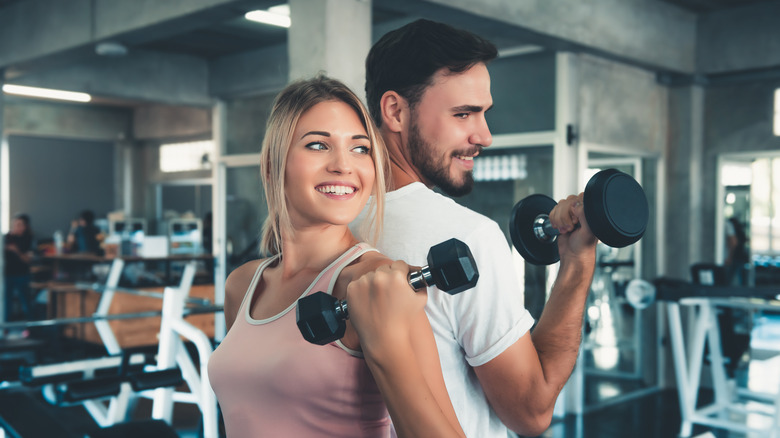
(330, 36)
(569, 160)
(4, 191)
(683, 180)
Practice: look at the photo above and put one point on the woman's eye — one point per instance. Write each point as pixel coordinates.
(317, 146)
(362, 149)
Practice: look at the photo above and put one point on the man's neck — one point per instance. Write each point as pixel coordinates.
(402, 170)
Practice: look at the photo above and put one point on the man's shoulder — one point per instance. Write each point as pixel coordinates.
(423, 218)
(433, 206)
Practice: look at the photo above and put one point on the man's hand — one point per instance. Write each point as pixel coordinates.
(576, 239)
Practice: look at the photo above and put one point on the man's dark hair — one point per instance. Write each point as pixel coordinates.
(88, 216)
(404, 60)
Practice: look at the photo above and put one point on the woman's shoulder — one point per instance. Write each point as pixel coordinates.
(238, 280)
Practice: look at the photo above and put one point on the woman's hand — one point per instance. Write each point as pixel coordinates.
(383, 307)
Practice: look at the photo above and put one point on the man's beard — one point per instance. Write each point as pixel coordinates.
(435, 172)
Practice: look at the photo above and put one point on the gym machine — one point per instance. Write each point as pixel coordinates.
(122, 377)
(690, 352)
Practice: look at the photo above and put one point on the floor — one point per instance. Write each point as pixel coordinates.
(654, 414)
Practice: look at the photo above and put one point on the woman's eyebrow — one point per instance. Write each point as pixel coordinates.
(322, 133)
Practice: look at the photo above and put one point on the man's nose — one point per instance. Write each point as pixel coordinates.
(481, 135)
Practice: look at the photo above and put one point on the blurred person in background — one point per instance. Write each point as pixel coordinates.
(84, 235)
(18, 244)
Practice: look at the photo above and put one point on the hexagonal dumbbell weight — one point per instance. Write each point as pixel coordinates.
(615, 208)
(321, 318)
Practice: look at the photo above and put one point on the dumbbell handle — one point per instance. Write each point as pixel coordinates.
(421, 278)
(417, 280)
(544, 231)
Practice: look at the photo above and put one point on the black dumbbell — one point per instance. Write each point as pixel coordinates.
(615, 208)
(321, 318)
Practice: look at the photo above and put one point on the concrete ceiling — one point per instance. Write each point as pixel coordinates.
(701, 6)
(210, 35)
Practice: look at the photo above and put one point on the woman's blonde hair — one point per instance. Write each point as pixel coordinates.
(297, 98)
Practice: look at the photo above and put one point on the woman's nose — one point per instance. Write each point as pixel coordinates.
(340, 161)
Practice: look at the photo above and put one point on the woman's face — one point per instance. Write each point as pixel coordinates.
(330, 170)
(18, 227)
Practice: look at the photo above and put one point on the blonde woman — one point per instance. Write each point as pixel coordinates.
(321, 162)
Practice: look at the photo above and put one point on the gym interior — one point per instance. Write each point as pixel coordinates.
(160, 142)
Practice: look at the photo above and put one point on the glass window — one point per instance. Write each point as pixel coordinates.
(182, 157)
(246, 211)
(777, 112)
(765, 207)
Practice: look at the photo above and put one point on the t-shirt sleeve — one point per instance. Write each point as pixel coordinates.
(492, 316)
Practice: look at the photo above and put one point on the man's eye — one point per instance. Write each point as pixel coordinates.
(462, 115)
(317, 146)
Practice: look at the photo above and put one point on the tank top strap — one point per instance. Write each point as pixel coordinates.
(255, 279)
(327, 279)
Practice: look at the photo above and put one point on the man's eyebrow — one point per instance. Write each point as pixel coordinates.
(470, 108)
(322, 133)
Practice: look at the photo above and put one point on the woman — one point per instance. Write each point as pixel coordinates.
(18, 257)
(321, 161)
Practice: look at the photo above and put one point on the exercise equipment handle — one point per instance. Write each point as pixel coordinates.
(543, 229)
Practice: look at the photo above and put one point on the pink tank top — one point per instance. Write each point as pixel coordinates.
(270, 382)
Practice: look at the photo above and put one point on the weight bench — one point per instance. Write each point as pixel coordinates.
(24, 416)
(78, 391)
(16, 353)
(135, 429)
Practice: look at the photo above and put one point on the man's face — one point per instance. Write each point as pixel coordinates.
(448, 129)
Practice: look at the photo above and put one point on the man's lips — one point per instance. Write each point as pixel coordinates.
(467, 160)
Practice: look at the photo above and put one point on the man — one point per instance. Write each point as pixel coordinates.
(428, 89)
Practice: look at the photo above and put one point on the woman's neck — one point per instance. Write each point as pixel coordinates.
(313, 249)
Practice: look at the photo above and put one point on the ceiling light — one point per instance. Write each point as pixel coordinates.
(46, 93)
(277, 16)
(110, 48)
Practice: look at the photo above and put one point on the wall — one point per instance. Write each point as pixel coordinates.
(621, 106)
(42, 166)
(52, 180)
(523, 89)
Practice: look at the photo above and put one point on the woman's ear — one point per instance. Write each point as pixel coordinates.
(393, 108)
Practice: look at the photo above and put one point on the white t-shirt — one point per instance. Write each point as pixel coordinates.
(475, 326)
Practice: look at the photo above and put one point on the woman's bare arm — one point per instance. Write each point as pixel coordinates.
(397, 341)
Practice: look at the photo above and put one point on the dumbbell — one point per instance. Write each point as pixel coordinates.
(321, 318)
(615, 208)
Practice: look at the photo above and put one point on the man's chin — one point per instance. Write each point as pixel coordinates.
(458, 190)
